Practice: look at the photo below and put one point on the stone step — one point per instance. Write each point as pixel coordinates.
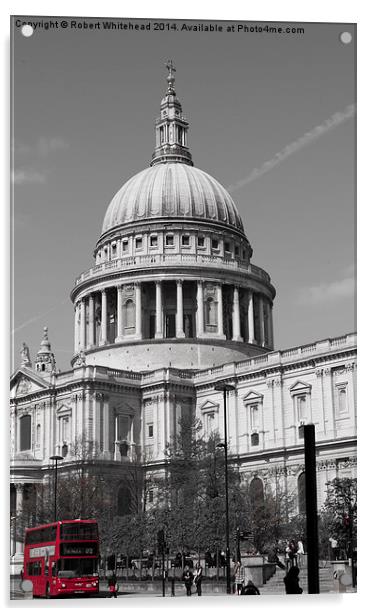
(275, 586)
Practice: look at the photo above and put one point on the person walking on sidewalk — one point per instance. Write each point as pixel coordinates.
(291, 582)
(239, 577)
(188, 579)
(112, 583)
(198, 579)
(300, 552)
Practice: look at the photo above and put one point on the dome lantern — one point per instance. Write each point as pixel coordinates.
(171, 128)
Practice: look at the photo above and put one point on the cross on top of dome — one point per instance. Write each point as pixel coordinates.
(171, 79)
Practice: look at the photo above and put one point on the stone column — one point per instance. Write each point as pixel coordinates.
(138, 299)
(236, 316)
(261, 320)
(251, 332)
(219, 311)
(97, 421)
(82, 324)
(169, 399)
(103, 317)
(179, 317)
(117, 455)
(106, 427)
(159, 310)
(91, 320)
(19, 496)
(119, 313)
(19, 505)
(200, 308)
(270, 325)
(77, 311)
(155, 402)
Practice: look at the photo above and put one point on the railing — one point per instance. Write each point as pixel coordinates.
(123, 374)
(336, 342)
(278, 357)
(149, 261)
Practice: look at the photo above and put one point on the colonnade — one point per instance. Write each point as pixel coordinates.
(213, 304)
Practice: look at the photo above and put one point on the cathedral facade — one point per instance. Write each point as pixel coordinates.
(172, 306)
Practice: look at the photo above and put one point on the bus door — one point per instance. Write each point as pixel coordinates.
(35, 572)
(46, 573)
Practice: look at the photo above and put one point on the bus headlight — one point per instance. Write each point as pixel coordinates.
(63, 585)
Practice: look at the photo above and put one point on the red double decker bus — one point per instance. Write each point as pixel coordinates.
(62, 558)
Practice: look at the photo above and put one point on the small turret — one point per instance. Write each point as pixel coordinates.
(45, 361)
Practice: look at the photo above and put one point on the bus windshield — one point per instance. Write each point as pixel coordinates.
(77, 567)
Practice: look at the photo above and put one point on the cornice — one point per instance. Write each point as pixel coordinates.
(191, 271)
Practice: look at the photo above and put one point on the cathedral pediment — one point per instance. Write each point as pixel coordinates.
(63, 410)
(300, 387)
(209, 405)
(253, 396)
(25, 381)
(125, 409)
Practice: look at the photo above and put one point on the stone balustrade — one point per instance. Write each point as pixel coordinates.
(127, 264)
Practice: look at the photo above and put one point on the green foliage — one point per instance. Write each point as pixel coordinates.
(338, 517)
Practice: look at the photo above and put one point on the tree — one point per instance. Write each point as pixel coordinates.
(338, 517)
(192, 493)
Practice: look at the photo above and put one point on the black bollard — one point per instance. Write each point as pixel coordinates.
(311, 511)
(173, 594)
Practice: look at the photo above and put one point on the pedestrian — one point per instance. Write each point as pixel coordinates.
(287, 555)
(291, 582)
(250, 589)
(273, 557)
(239, 577)
(300, 552)
(198, 579)
(112, 583)
(292, 553)
(188, 579)
(334, 547)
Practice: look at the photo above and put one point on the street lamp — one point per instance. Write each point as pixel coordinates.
(225, 387)
(55, 459)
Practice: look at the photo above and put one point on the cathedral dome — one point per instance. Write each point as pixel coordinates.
(171, 190)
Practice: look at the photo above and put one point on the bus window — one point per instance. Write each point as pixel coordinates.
(34, 568)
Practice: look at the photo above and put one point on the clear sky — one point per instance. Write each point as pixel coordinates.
(84, 108)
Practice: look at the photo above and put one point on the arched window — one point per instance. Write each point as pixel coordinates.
(211, 312)
(301, 493)
(129, 314)
(255, 439)
(25, 432)
(123, 501)
(256, 492)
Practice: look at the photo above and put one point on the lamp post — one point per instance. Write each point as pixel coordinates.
(55, 459)
(225, 387)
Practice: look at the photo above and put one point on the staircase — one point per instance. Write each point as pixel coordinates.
(275, 585)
